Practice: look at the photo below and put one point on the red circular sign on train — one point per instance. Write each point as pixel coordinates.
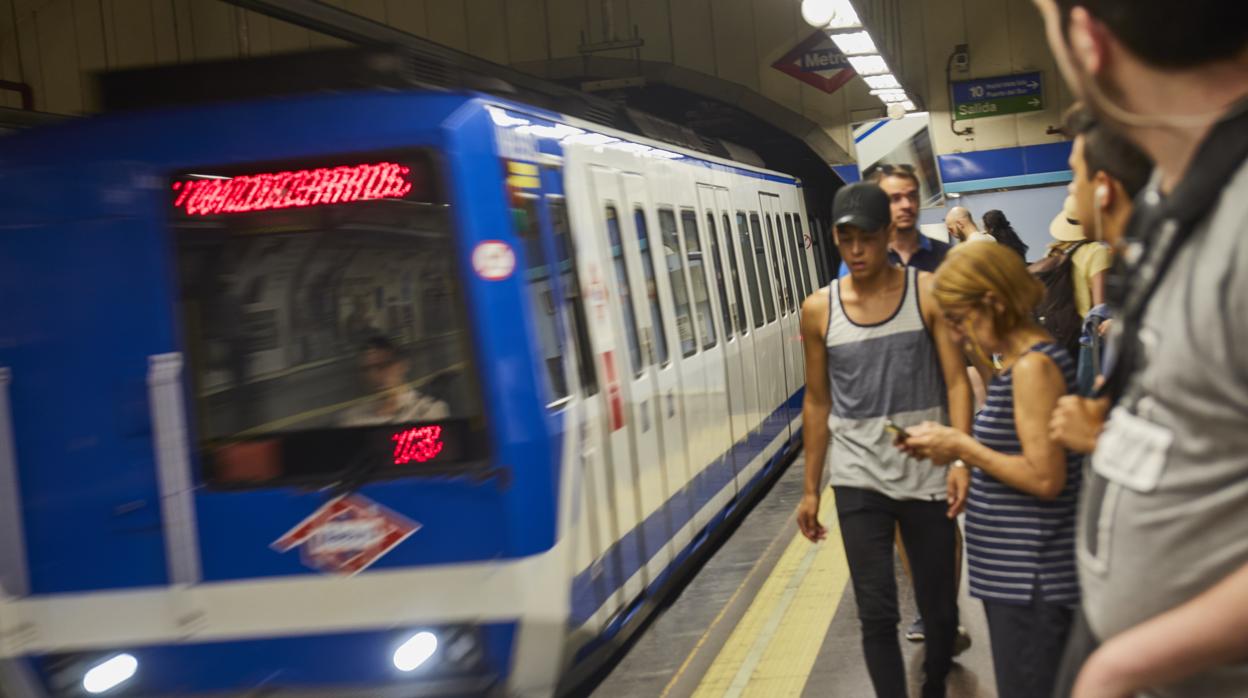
(493, 260)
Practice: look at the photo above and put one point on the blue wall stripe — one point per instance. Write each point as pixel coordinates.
(1004, 162)
(693, 496)
(878, 125)
(1030, 180)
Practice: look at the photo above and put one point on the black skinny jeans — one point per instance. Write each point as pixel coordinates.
(868, 521)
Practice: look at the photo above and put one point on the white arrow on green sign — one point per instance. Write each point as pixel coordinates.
(998, 96)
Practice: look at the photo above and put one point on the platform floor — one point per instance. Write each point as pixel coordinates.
(772, 616)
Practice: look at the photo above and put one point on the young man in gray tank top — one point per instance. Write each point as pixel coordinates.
(877, 352)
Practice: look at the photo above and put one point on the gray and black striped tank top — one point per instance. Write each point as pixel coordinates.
(888, 369)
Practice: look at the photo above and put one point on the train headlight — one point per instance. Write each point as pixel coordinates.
(110, 673)
(417, 650)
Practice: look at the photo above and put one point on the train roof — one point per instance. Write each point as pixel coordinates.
(283, 127)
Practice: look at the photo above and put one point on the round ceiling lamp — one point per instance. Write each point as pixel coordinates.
(818, 13)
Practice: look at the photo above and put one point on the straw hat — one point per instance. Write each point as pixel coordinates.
(1065, 226)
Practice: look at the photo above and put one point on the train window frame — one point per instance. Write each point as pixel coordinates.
(800, 238)
(741, 319)
(725, 312)
(678, 279)
(785, 264)
(761, 243)
(619, 268)
(542, 305)
(646, 253)
(260, 454)
(574, 301)
(800, 285)
(750, 237)
(698, 280)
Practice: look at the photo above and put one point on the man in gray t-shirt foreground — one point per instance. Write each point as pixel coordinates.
(1163, 526)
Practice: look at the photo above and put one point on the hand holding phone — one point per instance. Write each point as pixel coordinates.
(899, 432)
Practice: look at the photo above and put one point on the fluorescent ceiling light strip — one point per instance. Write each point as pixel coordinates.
(845, 16)
(882, 82)
(855, 44)
(869, 65)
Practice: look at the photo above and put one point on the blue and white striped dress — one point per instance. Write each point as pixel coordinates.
(1018, 545)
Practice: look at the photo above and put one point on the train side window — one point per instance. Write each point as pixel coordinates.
(541, 292)
(800, 267)
(782, 260)
(652, 288)
(769, 243)
(565, 248)
(748, 254)
(678, 281)
(760, 256)
(697, 272)
(734, 277)
(800, 236)
(622, 285)
(713, 236)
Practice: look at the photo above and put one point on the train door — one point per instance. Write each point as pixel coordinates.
(741, 315)
(713, 440)
(660, 447)
(587, 423)
(784, 292)
(797, 293)
(768, 354)
(716, 222)
(614, 306)
(638, 442)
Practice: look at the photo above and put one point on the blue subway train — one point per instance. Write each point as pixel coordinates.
(374, 393)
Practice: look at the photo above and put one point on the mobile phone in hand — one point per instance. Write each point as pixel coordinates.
(898, 430)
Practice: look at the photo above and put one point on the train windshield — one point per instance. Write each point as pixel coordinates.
(324, 325)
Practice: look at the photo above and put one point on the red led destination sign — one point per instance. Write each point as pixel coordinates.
(292, 189)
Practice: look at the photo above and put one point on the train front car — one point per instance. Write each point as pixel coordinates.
(275, 415)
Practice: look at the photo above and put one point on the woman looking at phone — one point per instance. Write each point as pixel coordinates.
(1020, 517)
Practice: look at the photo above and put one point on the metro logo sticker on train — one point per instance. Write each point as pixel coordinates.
(493, 260)
(346, 535)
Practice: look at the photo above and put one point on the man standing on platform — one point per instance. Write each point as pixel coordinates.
(961, 226)
(878, 358)
(907, 246)
(1163, 524)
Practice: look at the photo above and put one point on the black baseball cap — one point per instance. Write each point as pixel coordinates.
(861, 204)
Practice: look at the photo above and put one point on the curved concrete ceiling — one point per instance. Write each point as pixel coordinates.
(710, 86)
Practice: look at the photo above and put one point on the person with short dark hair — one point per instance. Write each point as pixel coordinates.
(877, 356)
(998, 226)
(394, 400)
(907, 246)
(1163, 524)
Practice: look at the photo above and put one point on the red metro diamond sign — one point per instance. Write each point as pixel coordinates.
(346, 535)
(818, 63)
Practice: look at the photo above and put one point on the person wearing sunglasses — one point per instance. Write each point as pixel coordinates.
(1020, 516)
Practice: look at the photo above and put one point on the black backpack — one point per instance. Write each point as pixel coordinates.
(1057, 312)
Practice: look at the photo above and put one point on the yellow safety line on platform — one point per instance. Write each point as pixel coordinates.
(773, 649)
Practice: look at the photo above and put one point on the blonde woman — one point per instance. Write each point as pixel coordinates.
(1020, 517)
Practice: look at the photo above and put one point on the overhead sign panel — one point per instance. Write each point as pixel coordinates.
(817, 62)
(998, 96)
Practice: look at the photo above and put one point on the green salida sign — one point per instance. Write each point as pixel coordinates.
(998, 96)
